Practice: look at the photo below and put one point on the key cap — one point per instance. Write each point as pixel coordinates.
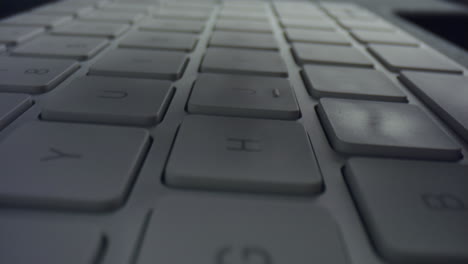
(445, 94)
(416, 212)
(351, 83)
(391, 38)
(141, 64)
(70, 10)
(28, 19)
(122, 17)
(243, 26)
(237, 231)
(15, 35)
(197, 15)
(384, 129)
(243, 40)
(326, 54)
(233, 15)
(251, 155)
(246, 96)
(377, 25)
(31, 75)
(110, 101)
(79, 48)
(318, 23)
(125, 7)
(78, 28)
(409, 58)
(12, 106)
(316, 36)
(252, 62)
(159, 40)
(72, 166)
(2, 48)
(32, 240)
(172, 25)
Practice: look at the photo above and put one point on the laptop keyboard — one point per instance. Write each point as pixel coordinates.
(138, 132)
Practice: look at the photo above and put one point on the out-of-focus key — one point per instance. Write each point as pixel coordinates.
(172, 25)
(319, 24)
(409, 58)
(390, 38)
(234, 15)
(231, 231)
(240, 61)
(378, 25)
(243, 96)
(141, 64)
(159, 40)
(29, 19)
(73, 242)
(445, 94)
(352, 83)
(326, 54)
(109, 101)
(71, 10)
(11, 106)
(243, 26)
(251, 155)
(71, 166)
(31, 75)
(89, 29)
(415, 212)
(197, 15)
(384, 129)
(243, 40)
(80, 48)
(16, 35)
(316, 36)
(124, 17)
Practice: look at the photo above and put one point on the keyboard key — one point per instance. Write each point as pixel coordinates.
(409, 58)
(241, 231)
(79, 48)
(326, 54)
(110, 101)
(319, 23)
(123, 17)
(159, 40)
(30, 75)
(55, 9)
(375, 25)
(126, 7)
(243, 96)
(390, 38)
(240, 61)
(243, 40)
(78, 28)
(2, 48)
(200, 15)
(28, 19)
(415, 212)
(141, 64)
(12, 106)
(316, 36)
(351, 83)
(70, 166)
(172, 25)
(15, 35)
(445, 94)
(30, 240)
(243, 26)
(235, 15)
(384, 129)
(251, 155)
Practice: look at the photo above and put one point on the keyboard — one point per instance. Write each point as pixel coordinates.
(142, 132)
